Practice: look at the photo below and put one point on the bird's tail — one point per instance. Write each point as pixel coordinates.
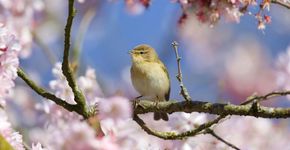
(160, 115)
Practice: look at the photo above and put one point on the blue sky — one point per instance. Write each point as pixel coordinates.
(114, 31)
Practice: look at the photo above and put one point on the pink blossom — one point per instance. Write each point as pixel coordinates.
(60, 85)
(73, 134)
(186, 121)
(88, 83)
(261, 25)
(115, 108)
(12, 137)
(90, 86)
(134, 7)
(9, 49)
(107, 143)
(127, 133)
(17, 15)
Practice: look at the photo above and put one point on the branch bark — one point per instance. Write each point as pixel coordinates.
(171, 135)
(67, 71)
(42, 92)
(172, 106)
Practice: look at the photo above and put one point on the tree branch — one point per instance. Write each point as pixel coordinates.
(281, 3)
(197, 106)
(197, 130)
(174, 135)
(42, 92)
(211, 108)
(266, 97)
(67, 71)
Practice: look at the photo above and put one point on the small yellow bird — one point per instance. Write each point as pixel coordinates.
(150, 77)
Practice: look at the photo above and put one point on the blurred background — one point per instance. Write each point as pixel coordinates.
(228, 61)
(224, 63)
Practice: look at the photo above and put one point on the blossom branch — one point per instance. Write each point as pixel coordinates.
(42, 92)
(174, 135)
(183, 90)
(283, 3)
(78, 41)
(212, 108)
(218, 109)
(206, 126)
(266, 97)
(67, 71)
(47, 51)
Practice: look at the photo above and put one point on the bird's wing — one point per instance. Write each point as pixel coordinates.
(167, 94)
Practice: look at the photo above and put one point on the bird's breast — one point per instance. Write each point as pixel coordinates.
(150, 79)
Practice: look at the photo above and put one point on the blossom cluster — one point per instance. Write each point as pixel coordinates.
(16, 23)
(9, 50)
(12, 137)
(211, 11)
(19, 17)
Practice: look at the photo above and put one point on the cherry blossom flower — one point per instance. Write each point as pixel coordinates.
(135, 7)
(87, 83)
(9, 49)
(90, 86)
(234, 130)
(107, 143)
(115, 108)
(186, 121)
(72, 134)
(12, 137)
(18, 17)
(60, 85)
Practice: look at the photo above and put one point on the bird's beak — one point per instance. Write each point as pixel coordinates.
(130, 52)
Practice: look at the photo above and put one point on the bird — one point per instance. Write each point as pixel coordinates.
(150, 77)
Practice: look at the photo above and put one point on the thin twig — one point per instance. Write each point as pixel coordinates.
(283, 3)
(266, 96)
(199, 106)
(211, 132)
(67, 71)
(183, 90)
(46, 50)
(77, 47)
(42, 92)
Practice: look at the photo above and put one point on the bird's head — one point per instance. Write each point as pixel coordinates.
(142, 53)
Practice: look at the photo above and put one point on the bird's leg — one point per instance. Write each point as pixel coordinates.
(136, 101)
(138, 97)
(156, 102)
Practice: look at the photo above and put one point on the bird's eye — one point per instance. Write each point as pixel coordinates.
(141, 52)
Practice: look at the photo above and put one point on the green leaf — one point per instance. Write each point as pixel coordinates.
(4, 145)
